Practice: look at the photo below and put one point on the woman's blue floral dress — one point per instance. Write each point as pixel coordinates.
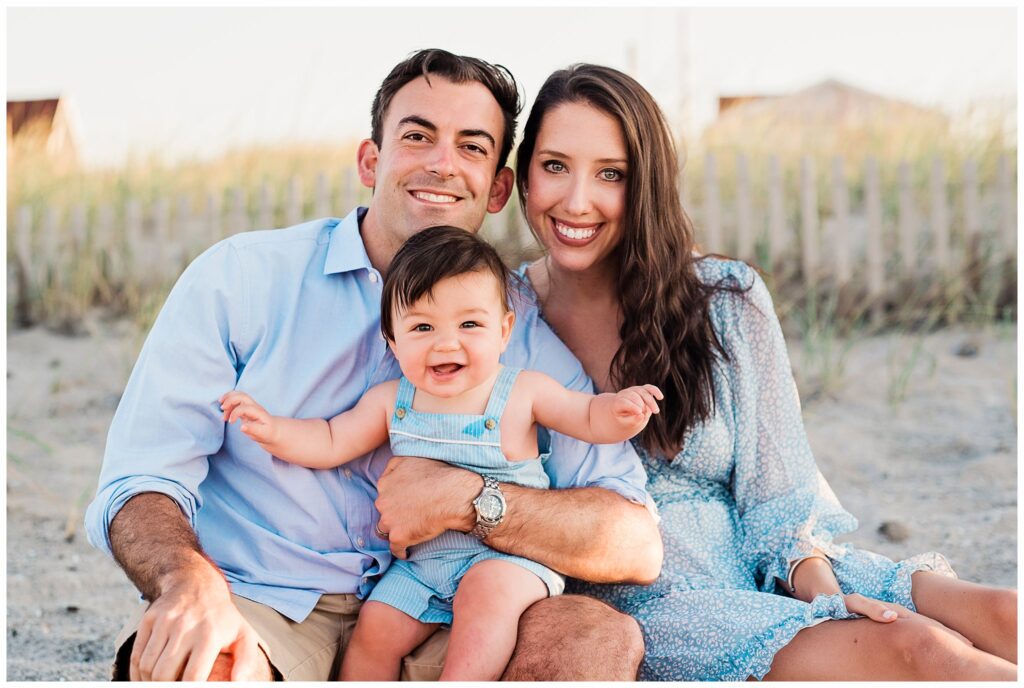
(741, 500)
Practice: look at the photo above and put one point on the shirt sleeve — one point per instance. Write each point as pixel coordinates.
(169, 421)
(786, 507)
(573, 463)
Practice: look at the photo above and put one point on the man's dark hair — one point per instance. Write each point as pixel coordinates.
(432, 255)
(457, 69)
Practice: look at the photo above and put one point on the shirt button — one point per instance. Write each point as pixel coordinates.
(373, 277)
(348, 473)
(400, 412)
(489, 423)
(360, 541)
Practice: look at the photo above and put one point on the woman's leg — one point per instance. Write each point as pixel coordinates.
(383, 636)
(913, 647)
(491, 597)
(986, 616)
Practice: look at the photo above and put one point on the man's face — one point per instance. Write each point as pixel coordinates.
(436, 163)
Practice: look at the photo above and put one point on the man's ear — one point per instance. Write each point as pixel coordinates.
(507, 321)
(366, 163)
(501, 189)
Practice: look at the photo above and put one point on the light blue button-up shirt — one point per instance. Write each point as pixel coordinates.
(291, 317)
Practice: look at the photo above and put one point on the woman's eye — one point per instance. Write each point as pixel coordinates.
(554, 166)
(612, 175)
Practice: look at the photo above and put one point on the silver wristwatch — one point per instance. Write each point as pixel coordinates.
(490, 508)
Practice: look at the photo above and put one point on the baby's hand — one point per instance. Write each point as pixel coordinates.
(634, 405)
(256, 422)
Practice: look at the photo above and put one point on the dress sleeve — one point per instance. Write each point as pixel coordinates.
(168, 421)
(786, 507)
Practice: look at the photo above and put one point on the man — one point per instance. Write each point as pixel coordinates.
(293, 317)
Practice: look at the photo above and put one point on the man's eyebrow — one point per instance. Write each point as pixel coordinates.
(481, 133)
(419, 121)
(427, 124)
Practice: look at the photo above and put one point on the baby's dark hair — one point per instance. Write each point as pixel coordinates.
(429, 256)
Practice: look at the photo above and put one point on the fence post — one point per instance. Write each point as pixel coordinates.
(744, 210)
(108, 246)
(939, 220)
(349, 190)
(213, 222)
(135, 271)
(165, 267)
(265, 211)
(841, 211)
(49, 243)
(712, 212)
(873, 249)
(809, 220)
(238, 215)
(1007, 206)
(776, 212)
(907, 224)
(293, 203)
(972, 226)
(27, 273)
(322, 196)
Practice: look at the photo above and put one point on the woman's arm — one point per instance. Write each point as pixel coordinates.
(313, 442)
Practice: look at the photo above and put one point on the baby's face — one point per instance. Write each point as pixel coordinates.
(450, 342)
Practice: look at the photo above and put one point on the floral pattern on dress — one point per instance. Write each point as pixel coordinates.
(741, 501)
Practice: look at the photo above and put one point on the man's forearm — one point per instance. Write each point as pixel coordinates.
(589, 533)
(155, 545)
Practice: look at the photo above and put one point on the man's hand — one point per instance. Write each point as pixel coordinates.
(418, 499)
(185, 630)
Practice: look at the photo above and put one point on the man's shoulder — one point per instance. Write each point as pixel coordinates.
(308, 234)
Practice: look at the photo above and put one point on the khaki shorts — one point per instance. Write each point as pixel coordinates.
(306, 651)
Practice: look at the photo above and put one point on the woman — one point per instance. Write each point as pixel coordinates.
(753, 584)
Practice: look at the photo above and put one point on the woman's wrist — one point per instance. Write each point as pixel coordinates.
(812, 576)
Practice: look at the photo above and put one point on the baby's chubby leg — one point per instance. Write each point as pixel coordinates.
(382, 638)
(491, 597)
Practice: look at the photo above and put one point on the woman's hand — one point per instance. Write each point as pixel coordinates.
(888, 612)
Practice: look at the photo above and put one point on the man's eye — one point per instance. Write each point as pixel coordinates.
(422, 327)
(476, 148)
(415, 136)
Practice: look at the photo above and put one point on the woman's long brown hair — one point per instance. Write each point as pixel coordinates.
(667, 336)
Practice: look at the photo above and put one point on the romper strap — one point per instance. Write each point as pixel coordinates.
(499, 393)
(405, 395)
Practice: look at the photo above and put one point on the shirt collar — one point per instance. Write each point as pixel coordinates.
(346, 251)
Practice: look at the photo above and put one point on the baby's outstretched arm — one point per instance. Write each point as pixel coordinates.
(313, 442)
(601, 419)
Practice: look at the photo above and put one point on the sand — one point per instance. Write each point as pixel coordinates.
(938, 466)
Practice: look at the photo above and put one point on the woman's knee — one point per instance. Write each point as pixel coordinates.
(1003, 605)
(925, 648)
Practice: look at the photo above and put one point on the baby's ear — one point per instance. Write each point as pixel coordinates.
(507, 322)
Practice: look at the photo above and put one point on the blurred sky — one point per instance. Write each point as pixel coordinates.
(187, 82)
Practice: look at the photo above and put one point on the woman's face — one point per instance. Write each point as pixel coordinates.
(576, 186)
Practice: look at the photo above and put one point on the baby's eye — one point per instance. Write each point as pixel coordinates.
(471, 323)
(422, 327)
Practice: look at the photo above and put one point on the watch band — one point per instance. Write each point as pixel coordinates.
(483, 525)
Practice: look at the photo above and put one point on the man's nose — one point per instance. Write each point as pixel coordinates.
(442, 161)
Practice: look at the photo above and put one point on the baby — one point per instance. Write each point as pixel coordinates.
(446, 315)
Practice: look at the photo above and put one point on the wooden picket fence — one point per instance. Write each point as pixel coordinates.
(960, 240)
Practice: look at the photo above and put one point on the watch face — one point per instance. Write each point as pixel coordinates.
(490, 507)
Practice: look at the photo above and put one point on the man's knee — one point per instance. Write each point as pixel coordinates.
(572, 637)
